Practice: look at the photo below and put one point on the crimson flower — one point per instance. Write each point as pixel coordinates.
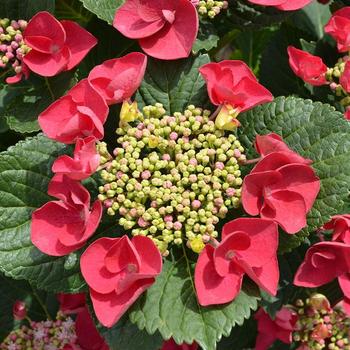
(324, 262)
(278, 185)
(233, 83)
(280, 328)
(118, 271)
(171, 345)
(344, 79)
(117, 80)
(338, 27)
(56, 46)
(166, 29)
(340, 224)
(61, 227)
(248, 246)
(284, 5)
(85, 162)
(71, 303)
(308, 67)
(80, 113)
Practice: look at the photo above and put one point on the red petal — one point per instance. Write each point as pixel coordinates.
(263, 236)
(301, 179)
(71, 303)
(252, 190)
(249, 93)
(344, 283)
(92, 264)
(295, 5)
(151, 259)
(79, 42)
(211, 288)
(66, 189)
(174, 40)
(88, 336)
(118, 79)
(91, 224)
(120, 255)
(52, 221)
(139, 19)
(109, 308)
(323, 262)
(287, 208)
(233, 244)
(85, 95)
(266, 276)
(47, 65)
(44, 31)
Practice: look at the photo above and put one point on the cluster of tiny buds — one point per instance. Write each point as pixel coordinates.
(333, 75)
(12, 46)
(45, 335)
(173, 177)
(321, 327)
(210, 8)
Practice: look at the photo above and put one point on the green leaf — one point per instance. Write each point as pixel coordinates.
(175, 84)
(24, 102)
(318, 132)
(243, 14)
(312, 19)
(25, 171)
(207, 37)
(72, 10)
(24, 9)
(171, 307)
(104, 9)
(10, 292)
(126, 335)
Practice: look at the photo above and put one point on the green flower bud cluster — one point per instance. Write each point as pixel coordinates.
(42, 335)
(211, 8)
(321, 327)
(173, 177)
(12, 46)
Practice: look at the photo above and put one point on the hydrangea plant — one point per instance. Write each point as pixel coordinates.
(174, 174)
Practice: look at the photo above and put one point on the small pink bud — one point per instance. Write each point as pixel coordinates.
(168, 218)
(133, 212)
(230, 192)
(138, 134)
(177, 225)
(196, 204)
(19, 310)
(166, 157)
(3, 48)
(108, 203)
(15, 25)
(154, 204)
(333, 85)
(18, 37)
(10, 55)
(142, 223)
(173, 136)
(193, 161)
(237, 153)
(219, 165)
(146, 174)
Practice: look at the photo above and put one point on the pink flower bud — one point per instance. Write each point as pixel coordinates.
(108, 203)
(18, 37)
(237, 153)
(177, 225)
(196, 204)
(230, 192)
(166, 157)
(168, 218)
(173, 136)
(19, 310)
(142, 223)
(219, 165)
(145, 174)
(193, 161)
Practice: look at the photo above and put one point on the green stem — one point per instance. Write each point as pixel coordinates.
(47, 83)
(41, 303)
